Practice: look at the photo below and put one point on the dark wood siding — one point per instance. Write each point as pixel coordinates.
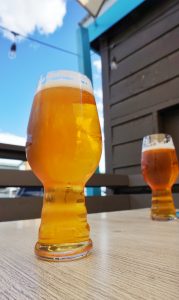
(142, 94)
(169, 122)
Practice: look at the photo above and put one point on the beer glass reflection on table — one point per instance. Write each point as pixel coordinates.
(63, 149)
(160, 170)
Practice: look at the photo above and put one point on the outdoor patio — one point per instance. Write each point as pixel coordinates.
(133, 256)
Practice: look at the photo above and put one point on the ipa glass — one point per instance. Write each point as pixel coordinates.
(63, 149)
(160, 170)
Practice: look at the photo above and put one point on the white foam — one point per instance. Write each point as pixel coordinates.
(157, 141)
(158, 146)
(65, 79)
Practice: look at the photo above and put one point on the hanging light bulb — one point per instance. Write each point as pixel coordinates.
(13, 48)
(113, 63)
(12, 51)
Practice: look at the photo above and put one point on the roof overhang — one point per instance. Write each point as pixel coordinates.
(109, 17)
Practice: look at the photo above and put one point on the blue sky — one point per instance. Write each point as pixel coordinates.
(19, 76)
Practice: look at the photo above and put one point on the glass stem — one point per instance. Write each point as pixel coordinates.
(64, 216)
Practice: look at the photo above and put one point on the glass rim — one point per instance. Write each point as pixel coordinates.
(157, 134)
(157, 141)
(65, 78)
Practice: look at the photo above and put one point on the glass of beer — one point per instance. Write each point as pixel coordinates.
(63, 149)
(160, 170)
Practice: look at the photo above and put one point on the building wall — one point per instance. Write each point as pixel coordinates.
(142, 95)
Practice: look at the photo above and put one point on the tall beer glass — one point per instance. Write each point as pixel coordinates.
(160, 170)
(63, 149)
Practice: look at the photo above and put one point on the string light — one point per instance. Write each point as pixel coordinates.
(12, 51)
(13, 48)
(14, 44)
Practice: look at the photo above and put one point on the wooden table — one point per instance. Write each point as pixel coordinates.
(133, 258)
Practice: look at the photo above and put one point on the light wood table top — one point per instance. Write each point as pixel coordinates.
(134, 258)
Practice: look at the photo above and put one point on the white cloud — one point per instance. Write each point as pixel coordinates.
(9, 138)
(100, 108)
(98, 93)
(97, 65)
(26, 16)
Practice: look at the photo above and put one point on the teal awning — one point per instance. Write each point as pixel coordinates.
(114, 14)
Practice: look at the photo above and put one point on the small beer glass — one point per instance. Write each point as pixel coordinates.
(160, 170)
(63, 149)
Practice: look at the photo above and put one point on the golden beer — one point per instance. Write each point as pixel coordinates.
(63, 150)
(160, 170)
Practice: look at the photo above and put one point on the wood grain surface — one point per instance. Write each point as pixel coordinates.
(134, 258)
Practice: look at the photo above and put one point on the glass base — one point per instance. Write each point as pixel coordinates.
(163, 208)
(63, 252)
(163, 217)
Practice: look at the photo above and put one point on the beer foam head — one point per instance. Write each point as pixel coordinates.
(157, 141)
(65, 78)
